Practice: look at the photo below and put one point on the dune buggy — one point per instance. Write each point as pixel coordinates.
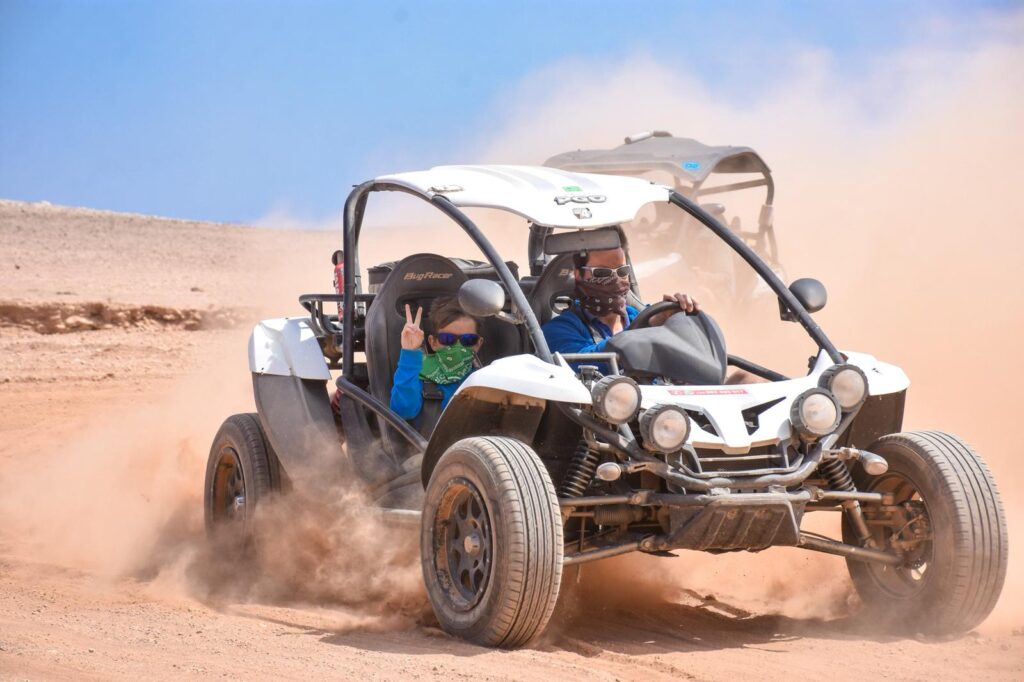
(543, 461)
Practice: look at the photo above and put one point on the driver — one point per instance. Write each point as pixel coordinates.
(599, 308)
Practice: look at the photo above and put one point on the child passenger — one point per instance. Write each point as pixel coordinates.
(453, 349)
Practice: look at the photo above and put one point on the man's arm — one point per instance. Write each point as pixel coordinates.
(566, 334)
(407, 392)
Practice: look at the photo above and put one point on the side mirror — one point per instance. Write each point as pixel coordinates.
(481, 298)
(811, 294)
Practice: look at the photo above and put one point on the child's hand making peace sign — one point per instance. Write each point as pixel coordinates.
(412, 335)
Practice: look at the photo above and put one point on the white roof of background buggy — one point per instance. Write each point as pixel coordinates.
(546, 196)
(681, 156)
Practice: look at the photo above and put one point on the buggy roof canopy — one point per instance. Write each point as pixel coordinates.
(681, 156)
(546, 196)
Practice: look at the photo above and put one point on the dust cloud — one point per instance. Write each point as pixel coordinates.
(120, 492)
(124, 497)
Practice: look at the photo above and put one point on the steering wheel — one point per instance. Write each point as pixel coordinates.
(643, 320)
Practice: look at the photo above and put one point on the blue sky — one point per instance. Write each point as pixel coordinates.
(223, 110)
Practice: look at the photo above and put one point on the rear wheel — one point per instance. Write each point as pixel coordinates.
(491, 542)
(948, 523)
(241, 472)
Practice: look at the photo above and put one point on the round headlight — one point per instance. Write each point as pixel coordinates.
(815, 412)
(664, 428)
(616, 399)
(847, 383)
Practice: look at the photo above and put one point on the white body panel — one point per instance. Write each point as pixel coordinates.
(723, 405)
(882, 377)
(529, 375)
(547, 196)
(286, 346)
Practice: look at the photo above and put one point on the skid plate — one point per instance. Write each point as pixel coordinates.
(725, 524)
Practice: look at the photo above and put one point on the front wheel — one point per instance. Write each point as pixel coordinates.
(491, 542)
(947, 521)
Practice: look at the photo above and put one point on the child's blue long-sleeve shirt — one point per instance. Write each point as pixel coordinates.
(407, 391)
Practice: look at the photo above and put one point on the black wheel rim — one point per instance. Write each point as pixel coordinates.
(908, 532)
(463, 546)
(229, 487)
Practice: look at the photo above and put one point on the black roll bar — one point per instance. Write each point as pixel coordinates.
(359, 395)
(540, 344)
(756, 369)
(766, 273)
(355, 207)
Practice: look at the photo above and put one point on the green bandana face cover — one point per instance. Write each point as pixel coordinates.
(447, 364)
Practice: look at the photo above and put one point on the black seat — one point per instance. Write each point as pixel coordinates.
(417, 280)
(501, 339)
(552, 292)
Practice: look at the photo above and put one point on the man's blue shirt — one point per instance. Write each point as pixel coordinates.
(566, 333)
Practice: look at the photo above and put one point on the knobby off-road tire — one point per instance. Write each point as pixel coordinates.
(965, 563)
(241, 472)
(491, 542)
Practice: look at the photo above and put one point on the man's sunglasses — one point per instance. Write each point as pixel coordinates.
(449, 339)
(600, 273)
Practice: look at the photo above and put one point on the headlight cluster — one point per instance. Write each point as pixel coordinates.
(818, 411)
(815, 413)
(616, 399)
(847, 383)
(664, 428)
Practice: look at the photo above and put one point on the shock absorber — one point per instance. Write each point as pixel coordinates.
(838, 475)
(581, 471)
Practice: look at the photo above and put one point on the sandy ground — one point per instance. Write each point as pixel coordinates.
(122, 348)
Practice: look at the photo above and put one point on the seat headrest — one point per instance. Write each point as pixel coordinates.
(555, 285)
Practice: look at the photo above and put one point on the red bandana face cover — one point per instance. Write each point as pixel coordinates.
(603, 296)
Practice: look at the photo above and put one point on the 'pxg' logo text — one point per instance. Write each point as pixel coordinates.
(564, 199)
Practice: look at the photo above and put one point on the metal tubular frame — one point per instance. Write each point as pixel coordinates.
(603, 553)
(850, 551)
(756, 369)
(355, 208)
(630, 448)
(367, 400)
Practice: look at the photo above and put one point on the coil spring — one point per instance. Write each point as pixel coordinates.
(837, 474)
(581, 471)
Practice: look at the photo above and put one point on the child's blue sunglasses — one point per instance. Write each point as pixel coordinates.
(467, 340)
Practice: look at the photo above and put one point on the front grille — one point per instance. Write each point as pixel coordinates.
(762, 459)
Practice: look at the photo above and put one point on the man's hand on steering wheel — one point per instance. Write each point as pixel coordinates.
(656, 314)
(686, 304)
